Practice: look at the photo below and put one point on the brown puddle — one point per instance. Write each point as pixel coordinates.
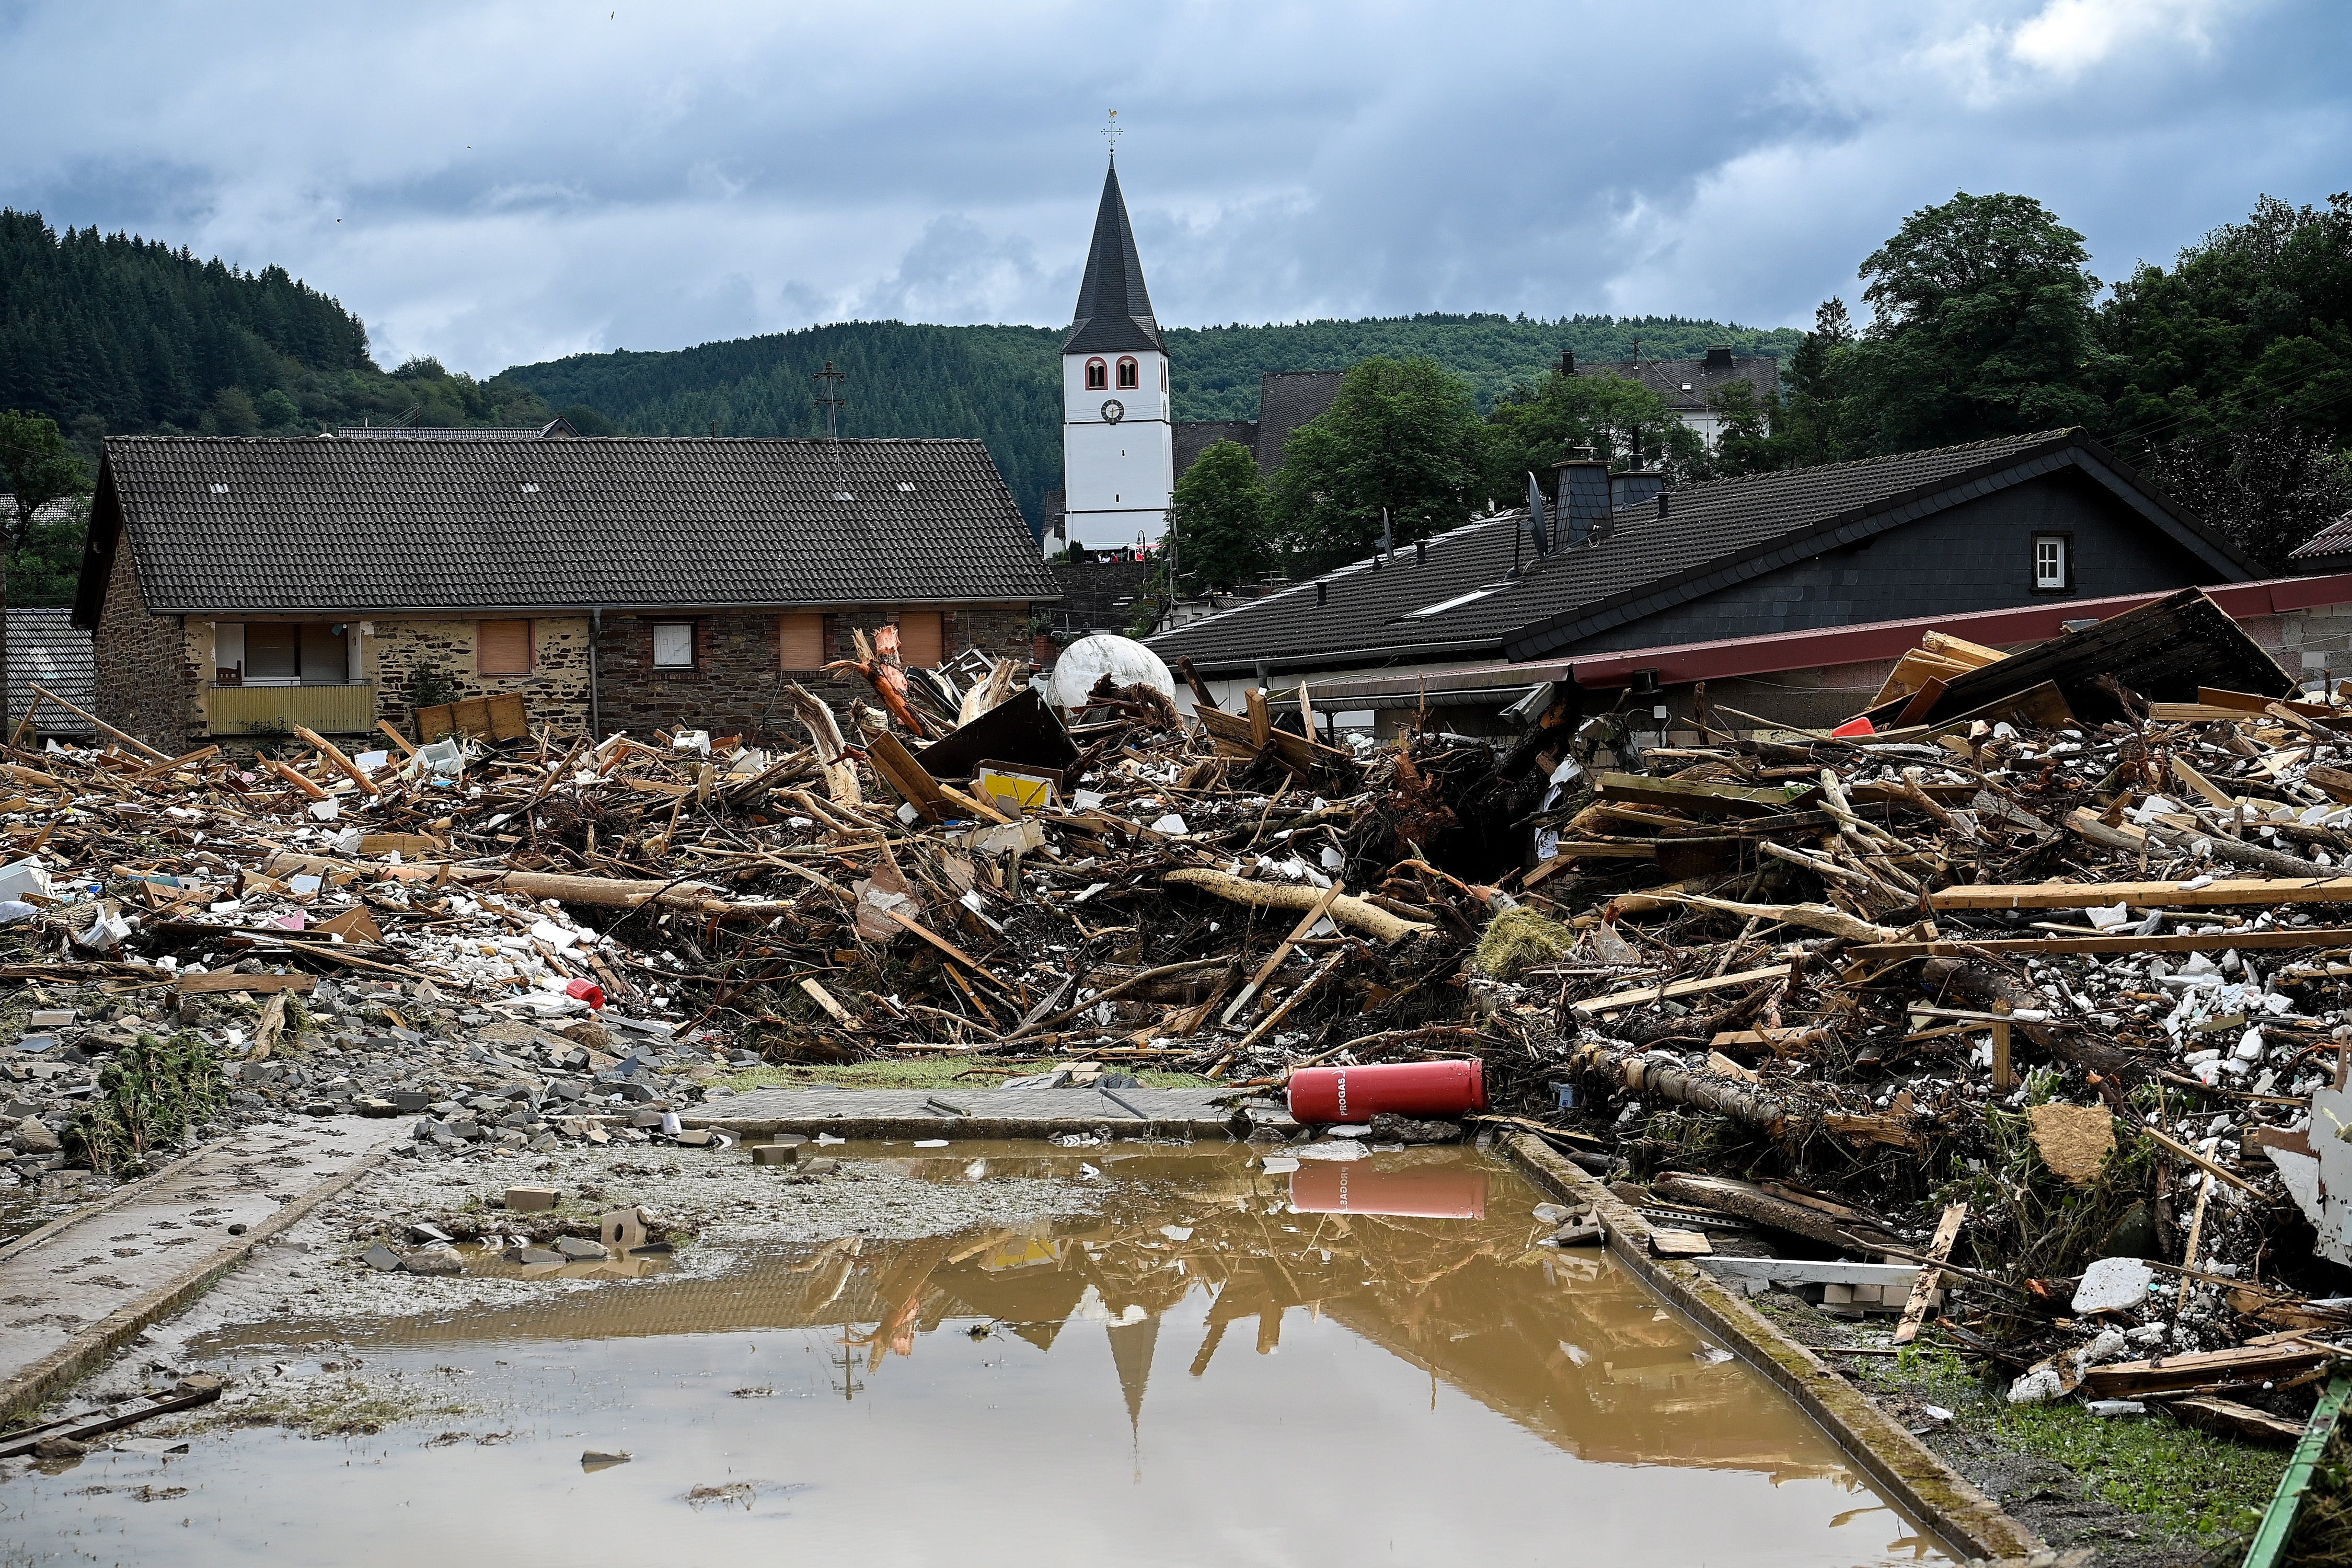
(1362, 1361)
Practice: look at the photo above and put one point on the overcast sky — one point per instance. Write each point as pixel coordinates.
(499, 183)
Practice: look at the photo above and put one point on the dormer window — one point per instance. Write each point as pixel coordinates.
(1129, 379)
(1098, 376)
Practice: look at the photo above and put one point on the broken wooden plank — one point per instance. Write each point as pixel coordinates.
(951, 949)
(1915, 1311)
(334, 755)
(2170, 941)
(1618, 1001)
(2212, 894)
(1703, 799)
(913, 782)
(2231, 1419)
(2237, 1365)
(229, 980)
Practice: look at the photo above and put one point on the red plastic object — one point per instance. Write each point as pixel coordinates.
(1409, 1088)
(1356, 1186)
(1854, 727)
(587, 990)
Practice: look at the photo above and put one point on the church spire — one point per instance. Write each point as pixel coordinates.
(1114, 309)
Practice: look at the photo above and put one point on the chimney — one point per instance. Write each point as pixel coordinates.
(1583, 501)
(1633, 487)
(1568, 362)
(1719, 359)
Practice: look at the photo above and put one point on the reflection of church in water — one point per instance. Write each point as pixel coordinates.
(1403, 1255)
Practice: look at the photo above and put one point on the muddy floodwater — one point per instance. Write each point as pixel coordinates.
(1364, 1361)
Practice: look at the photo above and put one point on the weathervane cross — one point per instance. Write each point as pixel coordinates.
(1112, 134)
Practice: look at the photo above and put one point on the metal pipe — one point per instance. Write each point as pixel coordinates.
(595, 705)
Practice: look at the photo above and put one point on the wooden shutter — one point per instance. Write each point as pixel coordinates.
(919, 638)
(502, 647)
(800, 637)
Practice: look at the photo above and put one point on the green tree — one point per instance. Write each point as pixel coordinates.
(39, 470)
(588, 421)
(1982, 327)
(232, 413)
(277, 410)
(1748, 439)
(1402, 434)
(1811, 423)
(1616, 420)
(1220, 518)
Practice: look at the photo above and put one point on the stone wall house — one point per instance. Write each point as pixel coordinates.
(241, 587)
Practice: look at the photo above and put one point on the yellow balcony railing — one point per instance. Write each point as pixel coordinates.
(276, 709)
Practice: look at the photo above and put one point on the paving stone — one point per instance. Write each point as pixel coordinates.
(532, 1200)
(579, 1250)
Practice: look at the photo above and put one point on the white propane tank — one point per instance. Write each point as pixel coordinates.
(1088, 659)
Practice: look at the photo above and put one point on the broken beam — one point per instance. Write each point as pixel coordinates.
(2146, 895)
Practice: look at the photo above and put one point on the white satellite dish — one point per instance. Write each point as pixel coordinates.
(1088, 659)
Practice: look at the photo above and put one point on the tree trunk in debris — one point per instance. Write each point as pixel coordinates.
(1739, 1198)
(1742, 1101)
(1957, 979)
(1347, 912)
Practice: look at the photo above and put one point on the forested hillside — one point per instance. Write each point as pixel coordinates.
(112, 333)
(1001, 383)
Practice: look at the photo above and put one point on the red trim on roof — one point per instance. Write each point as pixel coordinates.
(1682, 663)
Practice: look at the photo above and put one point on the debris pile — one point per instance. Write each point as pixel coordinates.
(2022, 997)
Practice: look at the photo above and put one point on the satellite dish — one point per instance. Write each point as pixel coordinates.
(1088, 659)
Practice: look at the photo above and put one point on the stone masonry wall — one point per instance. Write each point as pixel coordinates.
(148, 676)
(736, 682)
(554, 693)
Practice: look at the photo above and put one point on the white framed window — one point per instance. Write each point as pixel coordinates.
(2051, 569)
(673, 645)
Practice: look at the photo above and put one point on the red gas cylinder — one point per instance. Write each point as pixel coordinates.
(1409, 1088)
(1456, 1190)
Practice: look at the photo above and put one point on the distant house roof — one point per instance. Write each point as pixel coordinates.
(2329, 550)
(1683, 384)
(1285, 400)
(316, 525)
(1114, 308)
(1462, 602)
(45, 649)
(554, 428)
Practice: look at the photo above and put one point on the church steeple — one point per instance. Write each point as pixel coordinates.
(1114, 312)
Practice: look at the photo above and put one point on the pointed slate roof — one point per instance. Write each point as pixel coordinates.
(1114, 308)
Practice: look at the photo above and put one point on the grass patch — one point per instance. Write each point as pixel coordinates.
(2196, 1485)
(929, 1073)
(2192, 1483)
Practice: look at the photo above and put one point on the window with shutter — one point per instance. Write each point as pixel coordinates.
(673, 645)
(919, 638)
(801, 638)
(502, 647)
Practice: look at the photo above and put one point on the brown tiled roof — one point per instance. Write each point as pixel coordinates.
(2334, 540)
(321, 524)
(1463, 602)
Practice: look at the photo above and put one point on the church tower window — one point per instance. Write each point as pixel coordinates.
(1127, 375)
(1098, 376)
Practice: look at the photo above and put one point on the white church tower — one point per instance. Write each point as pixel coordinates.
(1118, 453)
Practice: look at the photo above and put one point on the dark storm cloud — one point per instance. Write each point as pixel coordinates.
(503, 182)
